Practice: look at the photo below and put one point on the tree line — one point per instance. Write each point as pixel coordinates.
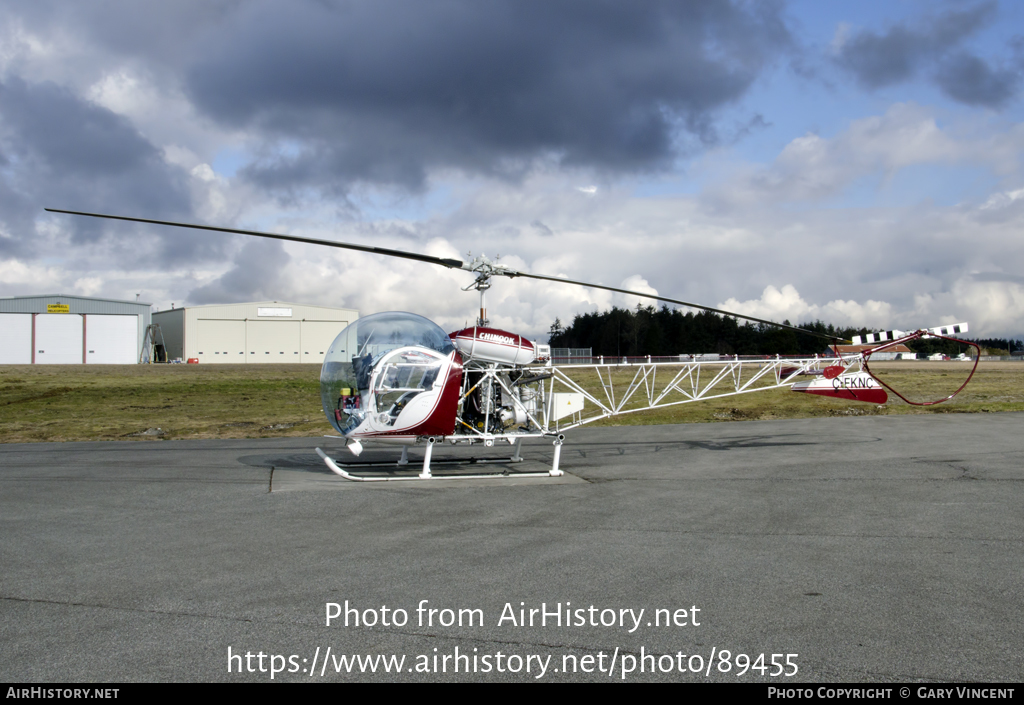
(647, 330)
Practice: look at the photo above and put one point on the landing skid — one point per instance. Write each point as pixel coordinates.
(426, 473)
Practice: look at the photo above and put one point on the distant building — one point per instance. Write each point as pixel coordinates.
(260, 332)
(57, 329)
(896, 352)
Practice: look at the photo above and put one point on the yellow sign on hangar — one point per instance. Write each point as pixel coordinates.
(58, 308)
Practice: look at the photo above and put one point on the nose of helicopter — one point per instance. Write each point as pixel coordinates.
(345, 378)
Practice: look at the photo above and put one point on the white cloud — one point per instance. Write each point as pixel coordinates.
(635, 283)
(204, 172)
(842, 33)
(989, 307)
(17, 276)
(122, 93)
(1002, 199)
(21, 48)
(787, 304)
(813, 167)
(89, 286)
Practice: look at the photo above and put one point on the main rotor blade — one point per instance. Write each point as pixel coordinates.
(681, 303)
(450, 263)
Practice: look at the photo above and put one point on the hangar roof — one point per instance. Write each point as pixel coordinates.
(78, 304)
(262, 303)
(73, 296)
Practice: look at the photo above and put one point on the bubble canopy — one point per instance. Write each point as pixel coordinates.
(345, 376)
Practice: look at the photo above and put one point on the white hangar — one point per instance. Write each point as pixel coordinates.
(261, 332)
(57, 329)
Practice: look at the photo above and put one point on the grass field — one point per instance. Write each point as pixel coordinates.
(112, 402)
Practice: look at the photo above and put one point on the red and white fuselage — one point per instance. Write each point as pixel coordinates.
(413, 392)
(855, 386)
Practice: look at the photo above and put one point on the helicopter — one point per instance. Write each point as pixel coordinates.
(399, 378)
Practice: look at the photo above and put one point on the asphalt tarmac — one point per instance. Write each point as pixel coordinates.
(875, 549)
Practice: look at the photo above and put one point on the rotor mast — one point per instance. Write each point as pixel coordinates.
(484, 269)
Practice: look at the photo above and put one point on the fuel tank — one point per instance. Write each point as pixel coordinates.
(494, 345)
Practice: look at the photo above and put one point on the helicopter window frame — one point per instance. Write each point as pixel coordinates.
(403, 374)
(417, 371)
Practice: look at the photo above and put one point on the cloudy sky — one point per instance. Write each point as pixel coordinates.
(854, 162)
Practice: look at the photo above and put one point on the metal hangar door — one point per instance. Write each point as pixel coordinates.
(272, 341)
(221, 341)
(15, 338)
(59, 339)
(317, 337)
(111, 339)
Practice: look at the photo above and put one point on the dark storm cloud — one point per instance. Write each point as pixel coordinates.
(15, 216)
(970, 80)
(64, 152)
(541, 228)
(386, 91)
(879, 60)
(69, 136)
(256, 276)
(998, 277)
(902, 52)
